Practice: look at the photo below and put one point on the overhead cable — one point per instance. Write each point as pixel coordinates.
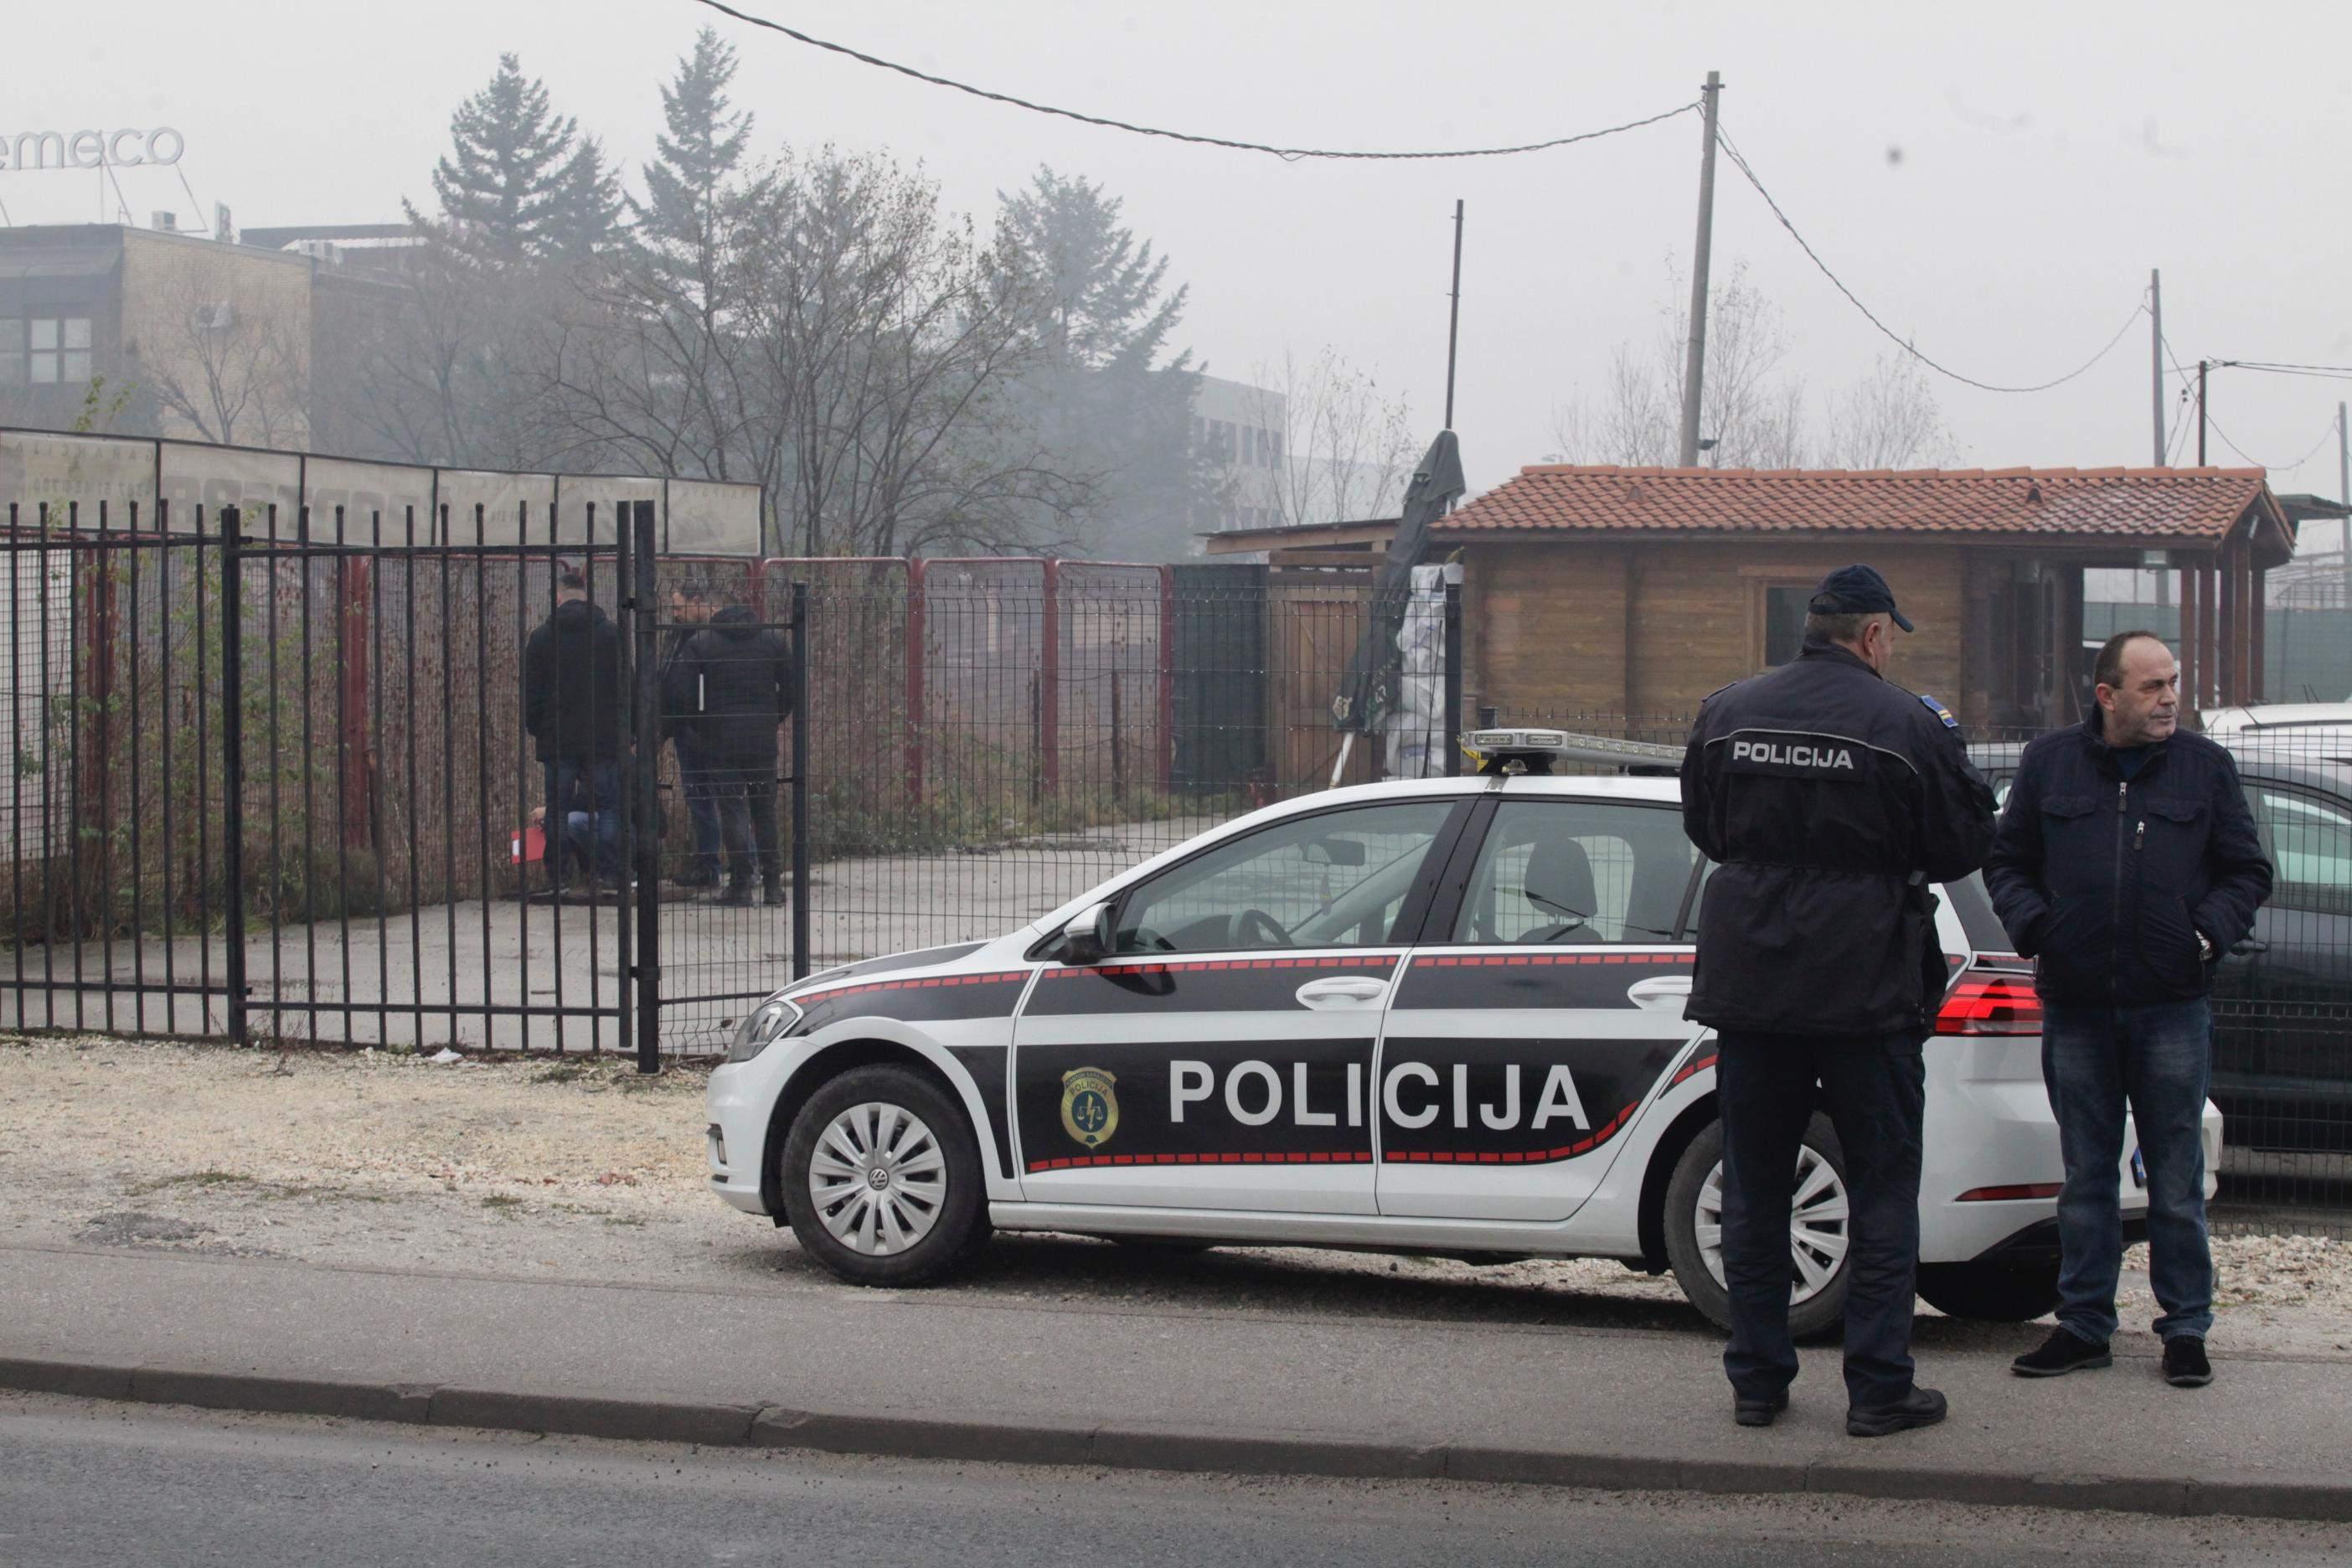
(1740, 162)
(1291, 154)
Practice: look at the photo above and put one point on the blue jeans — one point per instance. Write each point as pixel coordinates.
(583, 816)
(2159, 1060)
(1875, 1088)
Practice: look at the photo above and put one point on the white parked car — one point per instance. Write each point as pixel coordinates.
(1440, 1015)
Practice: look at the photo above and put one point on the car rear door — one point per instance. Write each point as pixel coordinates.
(1223, 1057)
(1542, 1010)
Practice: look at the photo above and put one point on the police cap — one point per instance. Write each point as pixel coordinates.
(1856, 591)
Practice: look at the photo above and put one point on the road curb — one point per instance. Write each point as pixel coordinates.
(726, 1425)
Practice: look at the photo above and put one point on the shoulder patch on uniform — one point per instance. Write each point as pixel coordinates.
(1941, 711)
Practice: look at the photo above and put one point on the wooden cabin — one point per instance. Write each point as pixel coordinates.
(1635, 592)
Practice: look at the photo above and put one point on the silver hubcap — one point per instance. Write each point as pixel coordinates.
(878, 1178)
(1817, 1225)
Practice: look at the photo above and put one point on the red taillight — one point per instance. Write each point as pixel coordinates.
(1982, 1003)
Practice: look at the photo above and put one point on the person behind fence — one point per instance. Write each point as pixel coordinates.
(689, 608)
(2127, 865)
(1829, 798)
(731, 686)
(572, 709)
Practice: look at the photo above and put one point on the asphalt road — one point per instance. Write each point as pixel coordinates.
(86, 1483)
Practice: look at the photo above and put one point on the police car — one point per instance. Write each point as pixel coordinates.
(1441, 1015)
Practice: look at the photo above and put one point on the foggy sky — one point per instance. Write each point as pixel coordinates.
(1995, 180)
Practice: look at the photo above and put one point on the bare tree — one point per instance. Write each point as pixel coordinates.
(220, 352)
(1754, 415)
(1348, 447)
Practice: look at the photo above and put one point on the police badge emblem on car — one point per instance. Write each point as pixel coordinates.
(1089, 1106)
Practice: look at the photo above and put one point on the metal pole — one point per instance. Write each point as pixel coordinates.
(2201, 411)
(644, 596)
(800, 783)
(1452, 570)
(232, 635)
(1454, 315)
(1695, 368)
(2156, 357)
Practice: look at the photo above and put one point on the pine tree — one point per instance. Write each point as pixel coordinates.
(1108, 400)
(687, 184)
(513, 181)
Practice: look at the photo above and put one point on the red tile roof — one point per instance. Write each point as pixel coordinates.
(2116, 504)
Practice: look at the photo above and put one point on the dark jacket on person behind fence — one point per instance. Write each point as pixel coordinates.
(730, 687)
(572, 692)
(2109, 880)
(1829, 798)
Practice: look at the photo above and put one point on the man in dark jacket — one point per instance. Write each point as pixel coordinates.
(732, 686)
(572, 709)
(689, 608)
(2127, 865)
(1829, 799)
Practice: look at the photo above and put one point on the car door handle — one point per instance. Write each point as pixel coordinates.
(2246, 947)
(1661, 993)
(1342, 993)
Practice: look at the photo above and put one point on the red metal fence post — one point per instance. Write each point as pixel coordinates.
(1167, 677)
(1049, 678)
(915, 658)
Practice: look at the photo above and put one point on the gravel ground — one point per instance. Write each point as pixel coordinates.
(581, 1169)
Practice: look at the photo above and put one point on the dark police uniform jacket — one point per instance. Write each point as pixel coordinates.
(1828, 797)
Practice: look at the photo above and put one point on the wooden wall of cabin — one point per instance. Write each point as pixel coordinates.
(1646, 631)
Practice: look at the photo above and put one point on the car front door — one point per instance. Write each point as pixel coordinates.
(1221, 1057)
(1542, 1009)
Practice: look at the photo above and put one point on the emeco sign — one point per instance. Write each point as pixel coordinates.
(90, 149)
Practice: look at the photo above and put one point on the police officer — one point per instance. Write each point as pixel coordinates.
(1829, 798)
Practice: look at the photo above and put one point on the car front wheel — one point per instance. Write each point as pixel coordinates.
(882, 1179)
(1819, 1227)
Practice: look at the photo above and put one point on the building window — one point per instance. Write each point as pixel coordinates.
(1784, 621)
(45, 350)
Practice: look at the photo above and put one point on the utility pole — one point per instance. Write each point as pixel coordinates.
(2155, 357)
(1695, 367)
(2201, 411)
(1454, 316)
(2344, 494)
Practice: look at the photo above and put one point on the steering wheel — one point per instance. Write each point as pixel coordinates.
(1250, 924)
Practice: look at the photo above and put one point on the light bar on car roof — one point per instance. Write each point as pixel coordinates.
(1567, 746)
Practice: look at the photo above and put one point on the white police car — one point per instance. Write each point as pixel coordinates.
(1440, 1015)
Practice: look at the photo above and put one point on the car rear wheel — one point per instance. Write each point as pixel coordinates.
(1819, 1231)
(1987, 1291)
(882, 1180)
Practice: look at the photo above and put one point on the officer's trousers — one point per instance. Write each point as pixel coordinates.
(1874, 1090)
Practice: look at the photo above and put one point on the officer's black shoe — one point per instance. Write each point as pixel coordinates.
(2185, 1365)
(1920, 1407)
(2063, 1352)
(1759, 1412)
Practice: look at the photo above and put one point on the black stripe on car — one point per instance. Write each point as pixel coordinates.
(1193, 986)
(986, 1065)
(935, 998)
(1222, 1103)
(1511, 1102)
(1454, 981)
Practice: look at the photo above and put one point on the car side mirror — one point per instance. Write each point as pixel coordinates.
(1088, 939)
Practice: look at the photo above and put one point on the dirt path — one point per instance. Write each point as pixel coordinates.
(581, 1169)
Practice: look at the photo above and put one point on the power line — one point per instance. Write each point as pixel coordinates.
(1741, 162)
(1289, 154)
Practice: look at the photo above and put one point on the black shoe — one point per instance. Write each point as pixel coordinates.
(2185, 1365)
(736, 897)
(1759, 1412)
(2063, 1352)
(1920, 1407)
